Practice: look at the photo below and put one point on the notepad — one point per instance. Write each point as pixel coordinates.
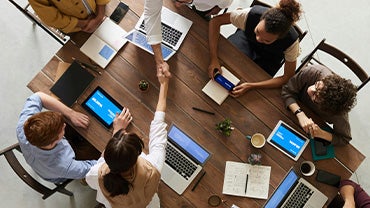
(104, 43)
(242, 179)
(217, 92)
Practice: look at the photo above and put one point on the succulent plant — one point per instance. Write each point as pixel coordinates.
(225, 127)
(143, 85)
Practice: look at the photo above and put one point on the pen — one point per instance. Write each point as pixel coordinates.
(86, 65)
(246, 184)
(204, 111)
(200, 178)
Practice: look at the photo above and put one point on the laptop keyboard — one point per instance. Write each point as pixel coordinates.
(179, 163)
(169, 34)
(299, 197)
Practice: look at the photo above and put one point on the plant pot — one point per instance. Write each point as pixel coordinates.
(143, 85)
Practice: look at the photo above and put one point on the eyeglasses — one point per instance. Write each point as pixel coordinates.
(316, 92)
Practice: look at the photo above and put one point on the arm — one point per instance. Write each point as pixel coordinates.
(78, 119)
(213, 36)
(289, 70)
(93, 23)
(348, 194)
(122, 120)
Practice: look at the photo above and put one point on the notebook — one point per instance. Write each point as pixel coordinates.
(288, 140)
(185, 158)
(216, 91)
(243, 179)
(104, 43)
(102, 106)
(72, 84)
(174, 29)
(286, 193)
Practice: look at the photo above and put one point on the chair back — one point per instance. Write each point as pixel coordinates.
(27, 178)
(337, 54)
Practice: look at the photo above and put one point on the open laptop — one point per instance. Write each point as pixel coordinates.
(174, 29)
(184, 160)
(289, 141)
(295, 191)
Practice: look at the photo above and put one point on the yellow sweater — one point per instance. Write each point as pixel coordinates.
(64, 14)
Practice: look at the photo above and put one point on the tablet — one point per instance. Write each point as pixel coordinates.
(102, 106)
(288, 140)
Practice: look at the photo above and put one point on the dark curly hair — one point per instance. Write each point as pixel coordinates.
(338, 95)
(279, 19)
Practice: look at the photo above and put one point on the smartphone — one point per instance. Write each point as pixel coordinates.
(119, 12)
(328, 178)
(320, 147)
(224, 82)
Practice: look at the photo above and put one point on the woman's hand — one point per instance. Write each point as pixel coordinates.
(241, 89)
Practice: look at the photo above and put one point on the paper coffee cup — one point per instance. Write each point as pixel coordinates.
(258, 140)
(307, 168)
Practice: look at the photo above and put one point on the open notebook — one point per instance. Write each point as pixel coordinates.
(104, 43)
(217, 92)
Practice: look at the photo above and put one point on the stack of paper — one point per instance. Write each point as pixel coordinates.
(216, 91)
(104, 43)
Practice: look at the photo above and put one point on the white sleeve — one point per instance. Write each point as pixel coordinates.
(239, 17)
(152, 16)
(157, 141)
(92, 176)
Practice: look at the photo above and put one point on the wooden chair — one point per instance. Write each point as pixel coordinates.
(55, 33)
(301, 34)
(27, 178)
(356, 69)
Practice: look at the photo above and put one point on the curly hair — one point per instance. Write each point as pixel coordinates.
(121, 155)
(338, 95)
(279, 19)
(43, 128)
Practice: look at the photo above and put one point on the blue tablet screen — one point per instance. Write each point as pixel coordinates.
(288, 140)
(104, 107)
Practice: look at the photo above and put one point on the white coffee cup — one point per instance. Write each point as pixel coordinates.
(307, 168)
(258, 140)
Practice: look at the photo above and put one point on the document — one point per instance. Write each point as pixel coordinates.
(242, 179)
(104, 43)
(217, 92)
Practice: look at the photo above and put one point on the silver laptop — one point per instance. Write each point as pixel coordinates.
(174, 29)
(295, 191)
(184, 160)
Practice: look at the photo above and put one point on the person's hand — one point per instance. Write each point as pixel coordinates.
(214, 64)
(163, 69)
(241, 89)
(349, 204)
(306, 123)
(79, 119)
(214, 10)
(91, 25)
(122, 120)
(163, 79)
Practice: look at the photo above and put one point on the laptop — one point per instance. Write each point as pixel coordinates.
(174, 29)
(185, 158)
(294, 191)
(289, 141)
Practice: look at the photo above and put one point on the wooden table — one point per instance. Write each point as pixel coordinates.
(256, 111)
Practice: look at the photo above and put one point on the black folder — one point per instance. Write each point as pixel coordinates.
(72, 83)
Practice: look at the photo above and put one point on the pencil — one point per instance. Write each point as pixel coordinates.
(200, 178)
(204, 111)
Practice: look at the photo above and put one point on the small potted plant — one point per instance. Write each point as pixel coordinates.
(225, 127)
(255, 159)
(143, 85)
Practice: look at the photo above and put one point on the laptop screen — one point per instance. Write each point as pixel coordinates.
(283, 190)
(287, 139)
(102, 106)
(184, 142)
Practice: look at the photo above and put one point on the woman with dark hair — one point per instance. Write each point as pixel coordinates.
(266, 35)
(124, 176)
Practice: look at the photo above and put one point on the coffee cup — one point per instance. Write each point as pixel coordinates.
(258, 140)
(214, 200)
(307, 168)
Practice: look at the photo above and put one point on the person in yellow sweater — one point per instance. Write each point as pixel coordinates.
(70, 15)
